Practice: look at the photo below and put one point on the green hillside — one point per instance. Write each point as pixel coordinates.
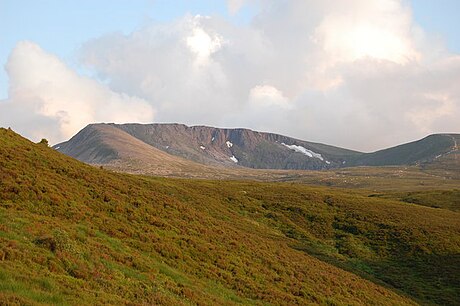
(75, 234)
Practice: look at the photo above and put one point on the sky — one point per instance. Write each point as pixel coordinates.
(360, 74)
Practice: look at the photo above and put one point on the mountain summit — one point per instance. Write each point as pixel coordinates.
(177, 146)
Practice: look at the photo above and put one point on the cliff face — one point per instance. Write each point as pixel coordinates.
(238, 147)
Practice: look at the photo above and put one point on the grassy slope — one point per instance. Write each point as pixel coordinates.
(70, 233)
(447, 199)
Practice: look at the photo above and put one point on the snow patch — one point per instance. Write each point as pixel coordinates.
(304, 151)
(212, 139)
(328, 162)
(233, 158)
(229, 144)
(202, 147)
(167, 147)
(57, 148)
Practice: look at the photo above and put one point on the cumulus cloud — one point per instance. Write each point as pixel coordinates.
(359, 74)
(382, 102)
(266, 95)
(174, 66)
(47, 99)
(202, 43)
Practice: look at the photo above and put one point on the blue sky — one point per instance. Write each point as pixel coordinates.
(296, 59)
(441, 17)
(61, 26)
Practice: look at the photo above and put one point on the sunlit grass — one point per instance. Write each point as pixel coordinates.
(71, 233)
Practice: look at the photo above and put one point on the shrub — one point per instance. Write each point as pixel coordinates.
(44, 142)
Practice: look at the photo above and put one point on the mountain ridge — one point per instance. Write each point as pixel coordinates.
(252, 149)
(419, 151)
(245, 148)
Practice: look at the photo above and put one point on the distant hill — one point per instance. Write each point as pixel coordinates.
(240, 148)
(79, 235)
(430, 149)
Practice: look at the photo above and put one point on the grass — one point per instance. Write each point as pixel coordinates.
(75, 234)
(446, 199)
(36, 290)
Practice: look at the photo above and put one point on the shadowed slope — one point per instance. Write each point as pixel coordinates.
(425, 151)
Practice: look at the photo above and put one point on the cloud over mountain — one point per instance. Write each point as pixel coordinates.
(359, 74)
(48, 99)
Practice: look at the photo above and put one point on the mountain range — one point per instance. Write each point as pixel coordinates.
(176, 147)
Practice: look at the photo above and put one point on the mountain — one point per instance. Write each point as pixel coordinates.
(80, 235)
(104, 144)
(240, 148)
(108, 146)
(431, 149)
(210, 146)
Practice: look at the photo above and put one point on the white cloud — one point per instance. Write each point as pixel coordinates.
(431, 108)
(353, 73)
(47, 99)
(357, 73)
(174, 66)
(202, 43)
(266, 96)
(375, 29)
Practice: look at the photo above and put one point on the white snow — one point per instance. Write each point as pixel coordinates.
(304, 151)
(233, 158)
(328, 162)
(167, 147)
(202, 147)
(57, 148)
(229, 144)
(212, 139)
